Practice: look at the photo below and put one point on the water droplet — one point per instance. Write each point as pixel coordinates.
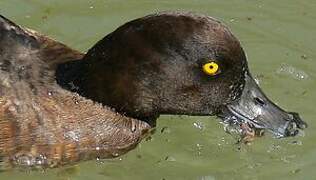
(97, 148)
(199, 146)
(296, 171)
(73, 135)
(304, 56)
(257, 80)
(165, 130)
(133, 128)
(292, 71)
(198, 125)
(296, 142)
(40, 160)
(23, 160)
(170, 159)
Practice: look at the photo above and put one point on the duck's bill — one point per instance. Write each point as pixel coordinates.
(256, 110)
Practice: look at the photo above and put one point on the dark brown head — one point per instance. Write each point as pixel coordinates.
(169, 63)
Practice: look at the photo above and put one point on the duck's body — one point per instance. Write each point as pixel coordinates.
(41, 124)
(55, 102)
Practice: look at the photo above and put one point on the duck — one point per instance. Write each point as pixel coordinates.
(59, 106)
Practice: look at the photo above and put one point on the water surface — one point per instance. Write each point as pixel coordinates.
(279, 38)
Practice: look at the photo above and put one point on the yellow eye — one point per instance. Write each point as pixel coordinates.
(211, 68)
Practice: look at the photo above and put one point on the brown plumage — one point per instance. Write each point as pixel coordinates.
(42, 124)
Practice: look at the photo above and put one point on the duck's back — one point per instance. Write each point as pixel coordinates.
(42, 124)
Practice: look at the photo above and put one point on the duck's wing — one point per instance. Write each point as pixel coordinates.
(28, 57)
(51, 51)
(54, 51)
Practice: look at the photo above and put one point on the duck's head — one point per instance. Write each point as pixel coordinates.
(175, 63)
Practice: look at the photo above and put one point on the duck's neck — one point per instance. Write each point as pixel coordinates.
(105, 86)
(68, 75)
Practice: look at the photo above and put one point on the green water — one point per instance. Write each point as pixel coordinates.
(272, 33)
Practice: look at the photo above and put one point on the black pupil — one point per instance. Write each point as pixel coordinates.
(211, 67)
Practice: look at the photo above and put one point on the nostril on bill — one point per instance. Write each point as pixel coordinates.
(259, 101)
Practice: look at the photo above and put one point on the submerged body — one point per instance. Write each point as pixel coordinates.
(55, 103)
